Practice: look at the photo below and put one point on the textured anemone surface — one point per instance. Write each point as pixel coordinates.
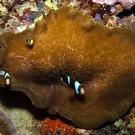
(69, 42)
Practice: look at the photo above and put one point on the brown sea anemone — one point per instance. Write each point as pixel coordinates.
(69, 42)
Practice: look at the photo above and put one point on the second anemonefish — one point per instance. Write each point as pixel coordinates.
(75, 85)
(6, 76)
(29, 41)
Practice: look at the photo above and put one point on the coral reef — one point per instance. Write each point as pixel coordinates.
(125, 3)
(31, 7)
(95, 8)
(126, 22)
(18, 15)
(70, 42)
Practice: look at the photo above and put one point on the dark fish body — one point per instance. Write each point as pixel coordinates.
(75, 85)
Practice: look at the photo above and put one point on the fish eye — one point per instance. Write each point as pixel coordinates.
(29, 41)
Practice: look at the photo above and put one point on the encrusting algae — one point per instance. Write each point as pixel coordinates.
(69, 42)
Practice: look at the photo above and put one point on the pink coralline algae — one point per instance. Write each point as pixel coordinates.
(125, 3)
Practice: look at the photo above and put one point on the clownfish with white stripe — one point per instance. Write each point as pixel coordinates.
(75, 85)
(29, 41)
(6, 76)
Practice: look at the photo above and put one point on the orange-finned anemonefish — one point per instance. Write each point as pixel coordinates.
(75, 85)
(6, 76)
(29, 41)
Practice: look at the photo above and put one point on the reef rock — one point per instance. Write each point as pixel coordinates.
(7, 126)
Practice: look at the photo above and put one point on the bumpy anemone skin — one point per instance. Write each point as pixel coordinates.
(69, 42)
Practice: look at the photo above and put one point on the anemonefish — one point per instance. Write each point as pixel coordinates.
(29, 41)
(6, 76)
(75, 85)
